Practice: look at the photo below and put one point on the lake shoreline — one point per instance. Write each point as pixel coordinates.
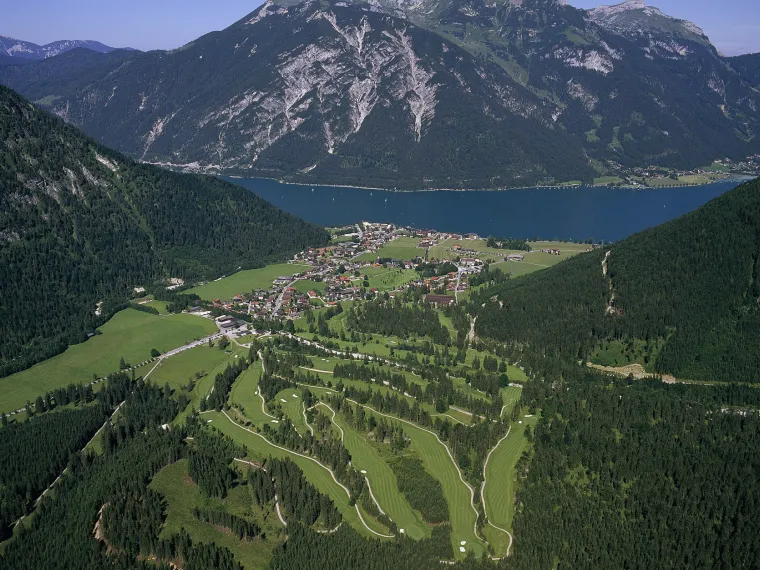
(739, 178)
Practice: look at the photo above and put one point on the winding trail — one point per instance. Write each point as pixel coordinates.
(330, 471)
(342, 434)
(306, 420)
(279, 514)
(483, 496)
(371, 494)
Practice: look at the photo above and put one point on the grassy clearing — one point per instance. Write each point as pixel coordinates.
(308, 285)
(245, 281)
(130, 334)
(389, 279)
(182, 495)
(260, 449)
(364, 456)
(402, 248)
(499, 491)
(511, 396)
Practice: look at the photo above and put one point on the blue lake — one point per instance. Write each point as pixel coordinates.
(608, 214)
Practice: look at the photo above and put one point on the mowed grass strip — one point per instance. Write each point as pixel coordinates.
(130, 334)
(244, 396)
(292, 407)
(439, 464)
(182, 495)
(246, 281)
(499, 490)
(382, 480)
(260, 449)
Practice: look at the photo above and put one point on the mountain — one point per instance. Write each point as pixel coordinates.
(81, 224)
(748, 66)
(20, 51)
(437, 93)
(680, 299)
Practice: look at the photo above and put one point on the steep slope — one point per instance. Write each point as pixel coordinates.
(22, 51)
(683, 298)
(352, 96)
(748, 66)
(437, 93)
(81, 224)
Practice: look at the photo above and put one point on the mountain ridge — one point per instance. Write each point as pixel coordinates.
(19, 51)
(81, 224)
(465, 94)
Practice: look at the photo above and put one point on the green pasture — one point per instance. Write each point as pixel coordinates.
(401, 248)
(130, 334)
(245, 281)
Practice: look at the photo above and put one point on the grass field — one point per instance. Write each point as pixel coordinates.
(402, 248)
(308, 285)
(382, 480)
(130, 334)
(389, 279)
(245, 281)
(259, 448)
(293, 408)
(243, 394)
(499, 491)
(182, 495)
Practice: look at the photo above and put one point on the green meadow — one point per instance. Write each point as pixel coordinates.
(129, 334)
(245, 281)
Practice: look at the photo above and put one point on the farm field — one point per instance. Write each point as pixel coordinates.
(130, 334)
(499, 489)
(245, 281)
(382, 480)
(402, 248)
(182, 495)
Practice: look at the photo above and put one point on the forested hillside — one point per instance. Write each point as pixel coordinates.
(80, 224)
(639, 476)
(687, 293)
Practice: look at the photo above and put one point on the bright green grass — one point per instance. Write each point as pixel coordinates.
(402, 248)
(245, 281)
(179, 369)
(244, 396)
(438, 463)
(511, 396)
(364, 456)
(390, 279)
(259, 448)
(130, 333)
(308, 285)
(293, 408)
(160, 306)
(500, 484)
(182, 495)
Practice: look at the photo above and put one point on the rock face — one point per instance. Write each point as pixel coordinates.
(404, 93)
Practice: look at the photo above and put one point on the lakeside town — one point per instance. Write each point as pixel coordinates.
(371, 259)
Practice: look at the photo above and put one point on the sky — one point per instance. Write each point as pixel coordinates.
(732, 25)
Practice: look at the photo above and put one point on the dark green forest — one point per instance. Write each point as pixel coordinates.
(80, 224)
(639, 475)
(693, 283)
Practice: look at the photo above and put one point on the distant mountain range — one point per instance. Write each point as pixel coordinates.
(409, 94)
(13, 51)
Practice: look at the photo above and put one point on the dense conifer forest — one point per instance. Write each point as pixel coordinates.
(693, 283)
(80, 224)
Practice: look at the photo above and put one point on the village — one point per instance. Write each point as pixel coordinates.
(348, 269)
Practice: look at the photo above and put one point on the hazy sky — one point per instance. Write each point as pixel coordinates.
(733, 25)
